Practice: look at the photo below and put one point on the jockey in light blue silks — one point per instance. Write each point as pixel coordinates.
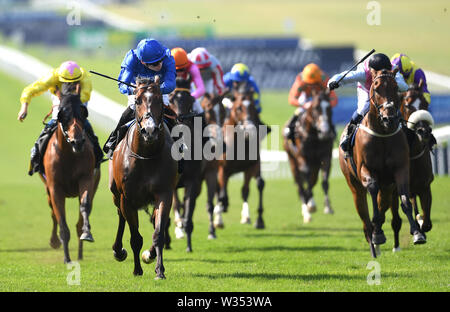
(149, 59)
(363, 76)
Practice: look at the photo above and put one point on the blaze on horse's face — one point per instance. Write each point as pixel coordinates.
(149, 109)
(413, 100)
(384, 96)
(321, 113)
(71, 119)
(244, 111)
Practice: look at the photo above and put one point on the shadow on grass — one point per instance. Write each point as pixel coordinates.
(211, 261)
(40, 249)
(290, 248)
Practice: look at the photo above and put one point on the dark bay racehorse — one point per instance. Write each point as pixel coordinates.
(191, 179)
(69, 170)
(418, 131)
(242, 154)
(143, 172)
(312, 152)
(380, 161)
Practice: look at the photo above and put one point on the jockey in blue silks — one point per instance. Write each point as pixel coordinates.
(149, 59)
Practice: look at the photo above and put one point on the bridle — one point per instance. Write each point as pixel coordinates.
(385, 105)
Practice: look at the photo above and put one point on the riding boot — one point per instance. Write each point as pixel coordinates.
(432, 142)
(37, 151)
(345, 143)
(289, 131)
(117, 134)
(94, 139)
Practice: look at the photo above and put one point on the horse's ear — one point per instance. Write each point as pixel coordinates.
(156, 79)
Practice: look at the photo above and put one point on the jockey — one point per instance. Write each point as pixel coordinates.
(239, 74)
(411, 72)
(210, 70)
(363, 76)
(149, 59)
(67, 72)
(300, 96)
(189, 71)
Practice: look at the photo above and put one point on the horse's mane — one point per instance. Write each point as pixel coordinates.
(70, 103)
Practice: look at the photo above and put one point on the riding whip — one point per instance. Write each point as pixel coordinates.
(105, 76)
(354, 66)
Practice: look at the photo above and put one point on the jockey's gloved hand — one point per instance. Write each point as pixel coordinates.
(333, 85)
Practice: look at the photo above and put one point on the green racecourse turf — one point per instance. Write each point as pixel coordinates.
(417, 28)
(330, 254)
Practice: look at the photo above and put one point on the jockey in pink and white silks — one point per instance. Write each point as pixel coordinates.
(362, 75)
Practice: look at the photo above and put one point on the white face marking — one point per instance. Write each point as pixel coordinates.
(246, 103)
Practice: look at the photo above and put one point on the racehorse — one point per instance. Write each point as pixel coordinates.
(379, 161)
(241, 154)
(418, 131)
(143, 172)
(312, 151)
(69, 170)
(191, 179)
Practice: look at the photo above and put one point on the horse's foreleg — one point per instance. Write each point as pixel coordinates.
(85, 211)
(222, 205)
(425, 202)
(163, 206)
(402, 181)
(120, 253)
(55, 242)
(396, 222)
(131, 215)
(59, 210)
(79, 233)
(245, 190)
(192, 191)
(178, 215)
(211, 185)
(260, 184)
(326, 166)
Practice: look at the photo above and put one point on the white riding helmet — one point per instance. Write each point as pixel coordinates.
(200, 57)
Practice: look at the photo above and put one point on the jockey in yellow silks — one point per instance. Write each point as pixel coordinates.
(52, 81)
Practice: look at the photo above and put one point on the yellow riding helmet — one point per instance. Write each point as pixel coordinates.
(240, 72)
(403, 62)
(312, 74)
(69, 72)
(181, 58)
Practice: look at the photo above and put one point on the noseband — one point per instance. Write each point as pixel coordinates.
(384, 105)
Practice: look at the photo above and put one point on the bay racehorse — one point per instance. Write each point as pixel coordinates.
(69, 170)
(191, 178)
(312, 151)
(379, 161)
(417, 127)
(142, 172)
(241, 154)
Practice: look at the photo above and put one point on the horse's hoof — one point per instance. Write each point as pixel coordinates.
(373, 251)
(87, 237)
(160, 277)
(212, 236)
(146, 257)
(378, 238)
(179, 233)
(328, 210)
(55, 243)
(219, 225)
(259, 224)
(189, 249)
(120, 256)
(307, 219)
(246, 220)
(396, 249)
(138, 272)
(311, 206)
(419, 238)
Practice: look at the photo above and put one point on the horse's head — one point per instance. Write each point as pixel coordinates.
(384, 99)
(413, 99)
(214, 109)
(320, 113)
(149, 108)
(181, 100)
(421, 122)
(72, 116)
(243, 112)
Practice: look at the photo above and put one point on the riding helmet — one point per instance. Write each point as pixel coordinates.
(150, 51)
(240, 72)
(312, 74)
(380, 61)
(403, 62)
(181, 58)
(69, 72)
(200, 57)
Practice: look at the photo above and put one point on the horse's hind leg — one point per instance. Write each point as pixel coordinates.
(192, 191)
(425, 201)
(177, 206)
(211, 185)
(326, 166)
(55, 242)
(245, 190)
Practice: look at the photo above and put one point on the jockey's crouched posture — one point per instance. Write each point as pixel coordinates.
(363, 76)
(149, 59)
(67, 72)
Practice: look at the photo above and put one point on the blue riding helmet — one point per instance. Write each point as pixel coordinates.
(149, 51)
(240, 72)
